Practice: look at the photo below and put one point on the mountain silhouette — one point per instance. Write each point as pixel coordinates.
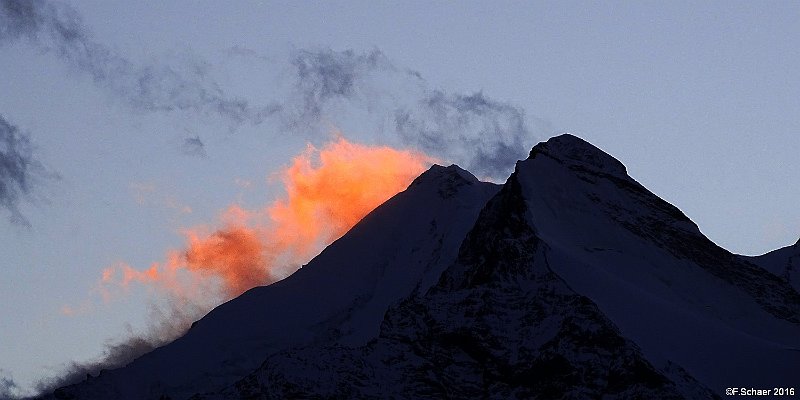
(571, 280)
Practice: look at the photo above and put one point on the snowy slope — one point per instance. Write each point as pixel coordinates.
(340, 296)
(784, 263)
(650, 270)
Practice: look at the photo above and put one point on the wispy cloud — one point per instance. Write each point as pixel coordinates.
(486, 136)
(193, 146)
(20, 169)
(324, 76)
(154, 87)
(482, 134)
(8, 388)
(471, 129)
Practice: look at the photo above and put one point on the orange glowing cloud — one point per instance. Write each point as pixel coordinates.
(72, 311)
(328, 191)
(326, 195)
(236, 254)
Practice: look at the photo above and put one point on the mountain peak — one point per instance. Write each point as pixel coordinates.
(437, 171)
(570, 149)
(447, 180)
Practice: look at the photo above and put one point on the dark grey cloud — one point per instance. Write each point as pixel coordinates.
(473, 130)
(19, 18)
(485, 136)
(326, 75)
(193, 146)
(481, 134)
(186, 87)
(19, 169)
(8, 387)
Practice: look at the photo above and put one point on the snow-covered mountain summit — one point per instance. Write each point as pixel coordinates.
(339, 296)
(679, 296)
(572, 280)
(576, 152)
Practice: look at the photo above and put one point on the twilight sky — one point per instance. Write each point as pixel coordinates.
(123, 124)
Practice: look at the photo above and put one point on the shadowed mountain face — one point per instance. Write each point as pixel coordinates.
(784, 263)
(499, 323)
(572, 281)
(588, 193)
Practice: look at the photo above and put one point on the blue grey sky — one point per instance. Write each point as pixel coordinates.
(700, 100)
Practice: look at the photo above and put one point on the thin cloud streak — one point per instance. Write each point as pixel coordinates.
(58, 28)
(193, 146)
(473, 130)
(20, 170)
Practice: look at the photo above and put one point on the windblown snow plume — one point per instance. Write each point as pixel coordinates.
(328, 190)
